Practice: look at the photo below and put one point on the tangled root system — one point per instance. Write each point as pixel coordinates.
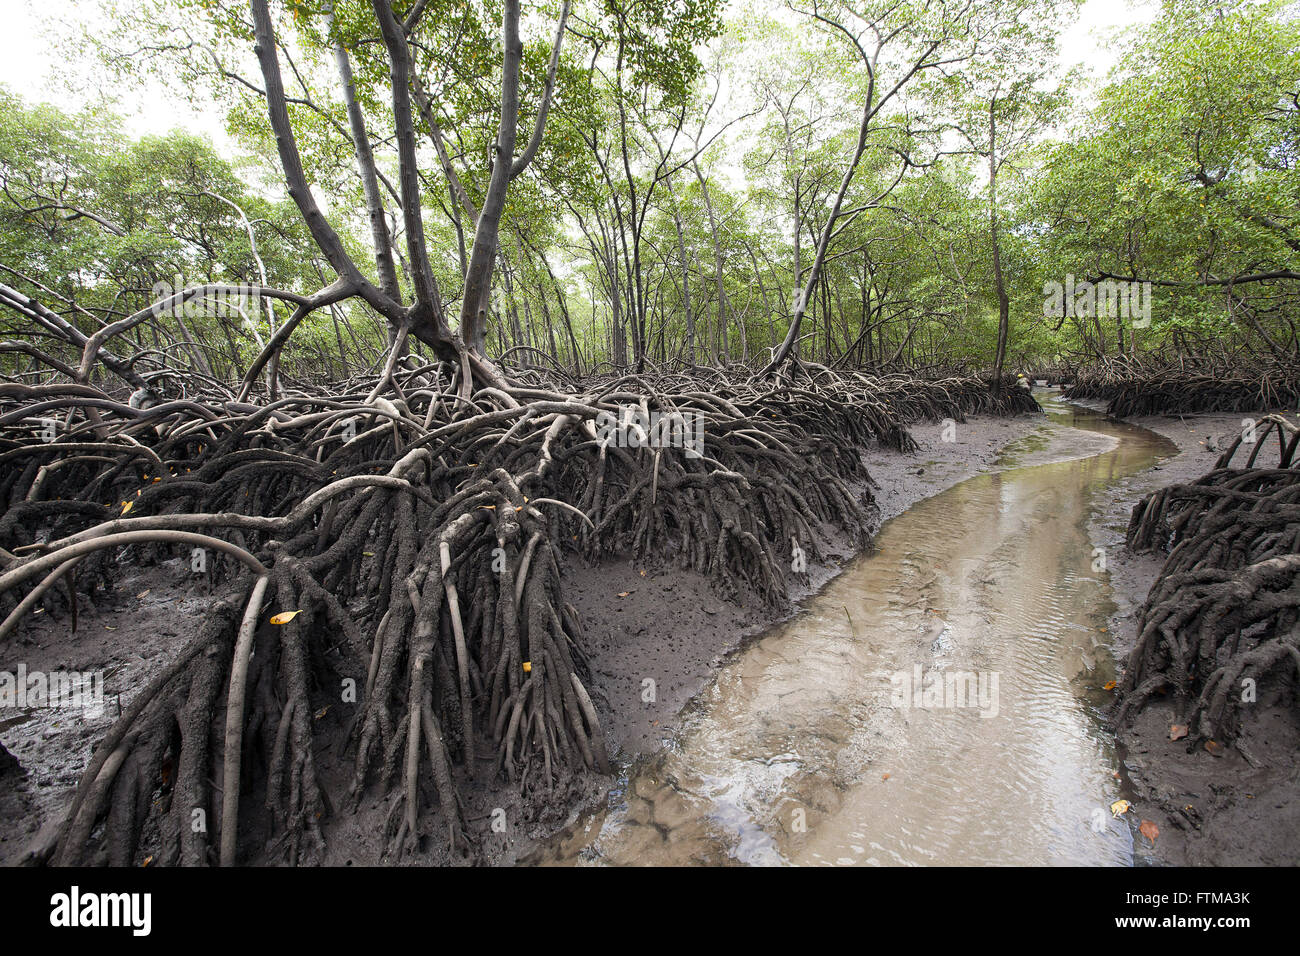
(1151, 387)
(1226, 604)
(404, 538)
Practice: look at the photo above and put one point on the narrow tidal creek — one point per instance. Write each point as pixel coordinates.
(936, 703)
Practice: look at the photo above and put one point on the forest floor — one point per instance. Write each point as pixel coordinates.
(1242, 807)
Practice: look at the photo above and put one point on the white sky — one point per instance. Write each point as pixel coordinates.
(28, 69)
(1083, 41)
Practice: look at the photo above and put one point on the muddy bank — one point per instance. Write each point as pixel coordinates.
(1240, 808)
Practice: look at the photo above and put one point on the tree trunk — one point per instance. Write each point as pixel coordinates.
(1004, 305)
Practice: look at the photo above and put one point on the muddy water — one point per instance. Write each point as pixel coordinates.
(934, 704)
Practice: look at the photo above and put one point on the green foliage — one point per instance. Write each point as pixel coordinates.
(93, 223)
(1185, 170)
(690, 154)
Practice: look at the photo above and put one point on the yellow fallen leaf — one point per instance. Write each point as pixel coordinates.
(1109, 685)
(284, 617)
(1118, 807)
(147, 861)
(528, 667)
(1149, 830)
(127, 506)
(624, 593)
(322, 712)
(884, 776)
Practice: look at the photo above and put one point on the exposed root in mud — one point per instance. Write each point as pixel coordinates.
(388, 554)
(1226, 605)
(1150, 388)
